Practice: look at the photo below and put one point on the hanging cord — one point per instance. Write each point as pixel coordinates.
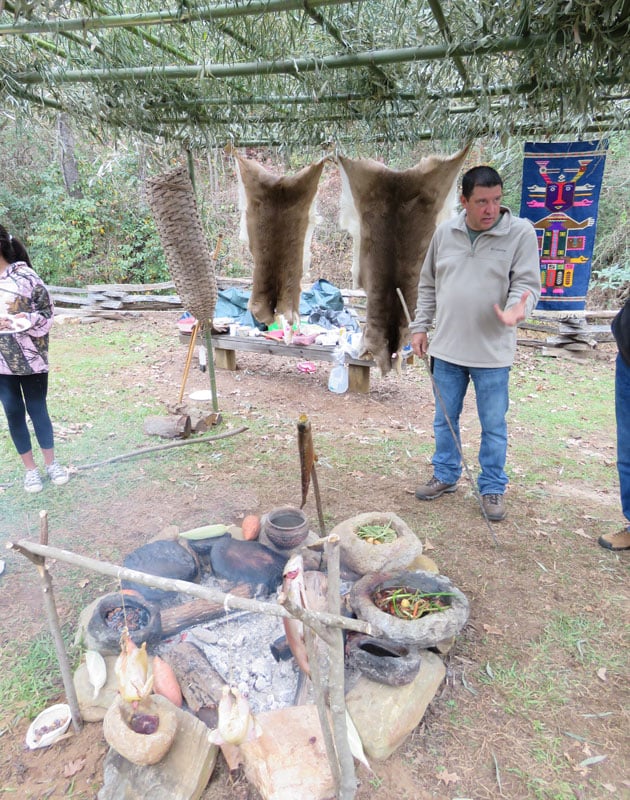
(230, 648)
(436, 391)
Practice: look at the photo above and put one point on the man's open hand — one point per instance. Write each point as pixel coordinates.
(514, 314)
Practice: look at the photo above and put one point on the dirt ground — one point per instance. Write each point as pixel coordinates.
(473, 741)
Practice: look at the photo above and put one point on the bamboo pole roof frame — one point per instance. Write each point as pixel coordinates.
(390, 67)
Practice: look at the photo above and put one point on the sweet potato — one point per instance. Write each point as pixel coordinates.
(165, 682)
(250, 527)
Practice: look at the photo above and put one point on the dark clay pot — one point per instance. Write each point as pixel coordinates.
(285, 527)
(143, 617)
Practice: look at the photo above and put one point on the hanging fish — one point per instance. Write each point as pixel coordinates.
(236, 723)
(307, 454)
(132, 669)
(96, 669)
(293, 588)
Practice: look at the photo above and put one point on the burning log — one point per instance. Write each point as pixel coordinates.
(201, 685)
(196, 612)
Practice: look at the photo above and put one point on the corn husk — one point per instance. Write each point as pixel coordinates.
(135, 682)
(354, 740)
(97, 670)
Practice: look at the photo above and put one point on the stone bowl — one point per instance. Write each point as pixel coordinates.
(383, 661)
(141, 748)
(285, 527)
(363, 557)
(427, 631)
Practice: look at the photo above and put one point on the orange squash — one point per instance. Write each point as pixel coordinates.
(165, 682)
(250, 527)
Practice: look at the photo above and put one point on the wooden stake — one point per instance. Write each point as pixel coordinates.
(336, 676)
(211, 373)
(318, 502)
(53, 624)
(191, 349)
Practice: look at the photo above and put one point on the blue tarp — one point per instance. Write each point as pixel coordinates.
(322, 294)
(232, 303)
(322, 303)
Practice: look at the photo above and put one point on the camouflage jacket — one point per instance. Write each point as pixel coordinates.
(22, 291)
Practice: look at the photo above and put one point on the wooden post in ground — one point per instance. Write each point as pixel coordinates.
(53, 624)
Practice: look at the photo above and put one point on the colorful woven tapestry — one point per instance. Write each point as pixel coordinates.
(560, 195)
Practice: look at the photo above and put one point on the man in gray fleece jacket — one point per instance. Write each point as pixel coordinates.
(479, 279)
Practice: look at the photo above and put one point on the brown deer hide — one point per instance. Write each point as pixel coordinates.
(392, 215)
(277, 220)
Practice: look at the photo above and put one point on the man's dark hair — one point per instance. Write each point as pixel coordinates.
(480, 176)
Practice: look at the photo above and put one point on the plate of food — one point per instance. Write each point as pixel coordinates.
(11, 324)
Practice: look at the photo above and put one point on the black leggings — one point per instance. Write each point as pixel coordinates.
(22, 393)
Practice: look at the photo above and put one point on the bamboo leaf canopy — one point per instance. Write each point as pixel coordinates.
(315, 72)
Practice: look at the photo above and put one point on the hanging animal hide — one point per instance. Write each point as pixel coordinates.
(277, 221)
(391, 216)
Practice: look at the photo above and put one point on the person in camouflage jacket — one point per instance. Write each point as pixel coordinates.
(26, 316)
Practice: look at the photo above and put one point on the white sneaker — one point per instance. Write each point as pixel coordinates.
(57, 474)
(33, 481)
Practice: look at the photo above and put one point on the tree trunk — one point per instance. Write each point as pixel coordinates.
(69, 165)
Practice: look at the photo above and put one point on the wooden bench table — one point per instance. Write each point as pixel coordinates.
(225, 347)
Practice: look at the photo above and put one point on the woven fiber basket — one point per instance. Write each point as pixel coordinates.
(171, 198)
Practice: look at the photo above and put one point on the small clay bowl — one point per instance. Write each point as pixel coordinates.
(285, 527)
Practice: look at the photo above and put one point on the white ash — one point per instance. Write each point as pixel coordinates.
(238, 648)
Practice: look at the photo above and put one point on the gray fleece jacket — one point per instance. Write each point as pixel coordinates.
(460, 281)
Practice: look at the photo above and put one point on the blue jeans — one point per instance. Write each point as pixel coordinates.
(622, 414)
(491, 390)
(22, 393)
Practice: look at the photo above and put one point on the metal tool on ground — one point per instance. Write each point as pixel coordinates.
(436, 391)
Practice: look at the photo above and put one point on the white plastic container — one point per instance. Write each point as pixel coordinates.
(338, 379)
(58, 716)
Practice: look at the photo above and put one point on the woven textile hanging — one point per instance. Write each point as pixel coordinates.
(560, 195)
(171, 198)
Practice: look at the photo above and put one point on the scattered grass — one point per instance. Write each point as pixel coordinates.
(30, 676)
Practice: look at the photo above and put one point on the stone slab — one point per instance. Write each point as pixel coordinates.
(182, 774)
(385, 715)
(288, 761)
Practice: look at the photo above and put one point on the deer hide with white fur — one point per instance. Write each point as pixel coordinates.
(392, 215)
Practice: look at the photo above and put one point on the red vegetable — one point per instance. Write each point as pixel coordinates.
(165, 682)
(250, 527)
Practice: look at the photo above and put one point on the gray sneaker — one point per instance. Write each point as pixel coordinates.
(33, 481)
(434, 488)
(494, 506)
(57, 474)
